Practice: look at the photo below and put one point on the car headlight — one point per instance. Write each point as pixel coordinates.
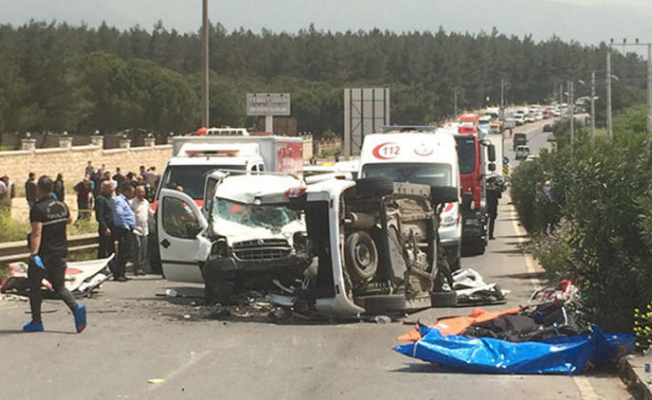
(220, 249)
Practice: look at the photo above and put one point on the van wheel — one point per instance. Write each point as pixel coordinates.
(218, 292)
(443, 299)
(384, 303)
(374, 187)
(361, 256)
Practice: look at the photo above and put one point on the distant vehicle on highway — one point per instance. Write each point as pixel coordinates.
(547, 128)
(532, 157)
(519, 119)
(520, 139)
(551, 137)
(530, 118)
(522, 152)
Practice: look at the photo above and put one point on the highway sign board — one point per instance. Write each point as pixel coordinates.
(268, 104)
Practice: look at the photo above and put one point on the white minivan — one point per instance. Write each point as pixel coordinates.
(424, 156)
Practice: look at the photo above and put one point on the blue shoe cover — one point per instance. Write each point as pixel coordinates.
(80, 318)
(33, 327)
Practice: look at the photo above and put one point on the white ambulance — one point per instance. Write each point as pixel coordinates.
(423, 155)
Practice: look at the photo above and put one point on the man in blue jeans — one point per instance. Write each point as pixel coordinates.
(48, 251)
(124, 221)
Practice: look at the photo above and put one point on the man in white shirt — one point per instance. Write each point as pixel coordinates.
(140, 205)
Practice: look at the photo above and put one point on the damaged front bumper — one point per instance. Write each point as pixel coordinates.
(231, 265)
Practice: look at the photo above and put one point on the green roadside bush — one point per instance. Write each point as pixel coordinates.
(10, 230)
(602, 198)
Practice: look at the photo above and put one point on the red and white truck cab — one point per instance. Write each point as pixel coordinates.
(474, 168)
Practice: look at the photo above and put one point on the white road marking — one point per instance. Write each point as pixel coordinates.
(587, 392)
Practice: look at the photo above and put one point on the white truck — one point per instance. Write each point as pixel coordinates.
(424, 156)
(196, 155)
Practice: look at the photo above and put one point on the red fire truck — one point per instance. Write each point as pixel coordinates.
(473, 152)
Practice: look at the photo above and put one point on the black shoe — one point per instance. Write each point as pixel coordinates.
(491, 238)
(120, 279)
(140, 272)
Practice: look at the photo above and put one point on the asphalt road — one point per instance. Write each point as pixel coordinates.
(135, 335)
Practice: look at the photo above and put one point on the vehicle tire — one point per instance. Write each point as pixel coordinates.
(384, 303)
(218, 292)
(154, 256)
(443, 299)
(361, 256)
(456, 264)
(374, 187)
(480, 247)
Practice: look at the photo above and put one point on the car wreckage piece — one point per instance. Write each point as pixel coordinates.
(374, 246)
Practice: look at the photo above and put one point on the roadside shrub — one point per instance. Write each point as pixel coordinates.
(554, 253)
(603, 192)
(10, 230)
(524, 181)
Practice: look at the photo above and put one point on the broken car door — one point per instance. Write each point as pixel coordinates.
(180, 223)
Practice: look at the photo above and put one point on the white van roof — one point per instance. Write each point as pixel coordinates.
(409, 148)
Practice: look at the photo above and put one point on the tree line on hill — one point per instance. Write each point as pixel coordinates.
(80, 79)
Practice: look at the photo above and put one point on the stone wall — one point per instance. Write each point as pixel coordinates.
(72, 161)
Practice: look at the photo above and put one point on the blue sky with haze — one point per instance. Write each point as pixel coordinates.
(588, 21)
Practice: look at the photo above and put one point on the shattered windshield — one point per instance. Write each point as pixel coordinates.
(254, 216)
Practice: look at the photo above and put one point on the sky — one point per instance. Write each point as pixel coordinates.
(586, 21)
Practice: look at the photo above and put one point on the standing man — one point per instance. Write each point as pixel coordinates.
(59, 188)
(118, 177)
(140, 205)
(104, 217)
(493, 194)
(124, 220)
(30, 190)
(48, 252)
(89, 170)
(84, 191)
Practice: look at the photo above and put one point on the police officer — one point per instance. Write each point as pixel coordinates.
(494, 193)
(48, 251)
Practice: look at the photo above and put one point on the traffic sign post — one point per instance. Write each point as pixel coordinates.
(268, 105)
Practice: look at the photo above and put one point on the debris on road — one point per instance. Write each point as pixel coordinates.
(156, 381)
(82, 277)
(472, 290)
(548, 335)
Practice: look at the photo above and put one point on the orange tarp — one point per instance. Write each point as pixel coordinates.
(457, 325)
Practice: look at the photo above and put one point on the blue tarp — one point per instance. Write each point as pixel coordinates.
(563, 355)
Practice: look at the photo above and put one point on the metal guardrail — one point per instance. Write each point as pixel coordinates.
(16, 251)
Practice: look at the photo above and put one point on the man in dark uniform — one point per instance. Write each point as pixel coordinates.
(48, 251)
(104, 217)
(30, 190)
(493, 194)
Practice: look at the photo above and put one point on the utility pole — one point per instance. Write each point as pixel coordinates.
(571, 105)
(609, 127)
(502, 102)
(455, 103)
(205, 119)
(561, 94)
(592, 104)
